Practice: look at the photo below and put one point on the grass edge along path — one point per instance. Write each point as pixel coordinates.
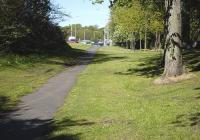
(115, 99)
(21, 75)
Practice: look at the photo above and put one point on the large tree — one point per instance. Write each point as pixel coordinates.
(173, 42)
(174, 19)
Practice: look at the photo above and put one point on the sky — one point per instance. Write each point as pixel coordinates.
(84, 12)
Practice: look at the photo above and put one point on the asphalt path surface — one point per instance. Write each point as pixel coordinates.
(32, 118)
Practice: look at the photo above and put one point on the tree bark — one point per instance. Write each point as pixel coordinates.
(134, 41)
(127, 46)
(140, 42)
(159, 41)
(156, 41)
(173, 44)
(145, 40)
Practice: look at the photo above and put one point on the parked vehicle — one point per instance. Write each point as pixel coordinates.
(86, 42)
(97, 43)
(72, 39)
(100, 43)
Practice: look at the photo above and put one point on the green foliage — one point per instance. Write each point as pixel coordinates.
(138, 18)
(27, 26)
(153, 15)
(195, 20)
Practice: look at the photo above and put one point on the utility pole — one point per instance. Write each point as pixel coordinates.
(75, 30)
(104, 35)
(84, 33)
(71, 30)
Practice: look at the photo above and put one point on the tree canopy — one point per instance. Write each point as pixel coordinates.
(28, 25)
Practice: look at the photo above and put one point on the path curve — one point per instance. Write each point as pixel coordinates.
(34, 114)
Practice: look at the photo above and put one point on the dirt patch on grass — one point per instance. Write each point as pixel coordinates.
(175, 79)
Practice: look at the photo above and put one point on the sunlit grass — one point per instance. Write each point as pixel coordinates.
(115, 99)
(79, 46)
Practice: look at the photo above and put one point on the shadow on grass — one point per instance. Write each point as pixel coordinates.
(24, 129)
(198, 97)
(69, 58)
(32, 129)
(65, 125)
(15, 127)
(149, 67)
(184, 120)
(66, 137)
(66, 58)
(101, 58)
(188, 120)
(6, 105)
(3, 100)
(192, 59)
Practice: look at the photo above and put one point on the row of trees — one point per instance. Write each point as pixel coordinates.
(134, 21)
(144, 20)
(177, 20)
(83, 32)
(28, 26)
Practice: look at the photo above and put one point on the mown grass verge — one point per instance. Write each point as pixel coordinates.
(22, 74)
(115, 98)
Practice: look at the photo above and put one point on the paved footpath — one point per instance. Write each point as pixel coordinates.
(32, 117)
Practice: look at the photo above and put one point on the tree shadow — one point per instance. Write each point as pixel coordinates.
(101, 58)
(152, 66)
(197, 97)
(3, 100)
(37, 129)
(5, 105)
(197, 88)
(192, 59)
(66, 137)
(149, 67)
(185, 120)
(66, 124)
(68, 58)
(24, 129)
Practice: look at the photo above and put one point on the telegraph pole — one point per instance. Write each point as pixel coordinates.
(75, 30)
(104, 35)
(71, 30)
(84, 33)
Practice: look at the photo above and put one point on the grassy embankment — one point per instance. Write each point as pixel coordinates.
(115, 99)
(22, 74)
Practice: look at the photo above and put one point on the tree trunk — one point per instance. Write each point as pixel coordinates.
(145, 40)
(159, 41)
(134, 41)
(173, 55)
(156, 41)
(127, 46)
(131, 44)
(140, 42)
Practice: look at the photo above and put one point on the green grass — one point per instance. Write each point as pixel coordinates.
(79, 46)
(115, 99)
(22, 74)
